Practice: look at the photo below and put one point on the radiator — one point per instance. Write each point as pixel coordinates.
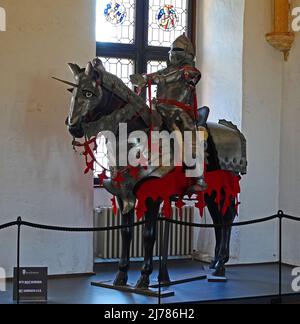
(108, 244)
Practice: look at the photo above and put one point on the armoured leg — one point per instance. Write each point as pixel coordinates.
(217, 220)
(150, 231)
(163, 276)
(224, 252)
(186, 123)
(122, 276)
(229, 219)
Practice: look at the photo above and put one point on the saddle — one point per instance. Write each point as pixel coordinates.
(203, 114)
(158, 117)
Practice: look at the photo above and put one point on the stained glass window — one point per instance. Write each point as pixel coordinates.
(122, 68)
(134, 36)
(115, 21)
(168, 19)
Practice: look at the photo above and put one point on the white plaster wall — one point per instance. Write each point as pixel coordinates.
(262, 101)
(40, 176)
(290, 153)
(220, 59)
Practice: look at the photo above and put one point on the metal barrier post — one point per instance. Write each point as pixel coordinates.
(19, 222)
(280, 215)
(161, 226)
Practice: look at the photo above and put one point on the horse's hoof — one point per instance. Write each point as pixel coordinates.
(143, 282)
(213, 264)
(164, 278)
(121, 279)
(220, 272)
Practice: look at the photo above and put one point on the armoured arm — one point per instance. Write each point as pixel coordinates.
(192, 77)
(160, 77)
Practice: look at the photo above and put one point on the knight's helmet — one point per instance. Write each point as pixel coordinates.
(182, 50)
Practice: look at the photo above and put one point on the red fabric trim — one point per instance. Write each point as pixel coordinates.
(195, 105)
(189, 109)
(88, 153)
(224, 183)
(150, 94)
(190, 68)
(114, 205)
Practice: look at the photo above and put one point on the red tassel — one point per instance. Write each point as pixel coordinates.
(175, 184)
(102, 176)
(180, 204)
(119, 179)
(88, 153)
(114, 205)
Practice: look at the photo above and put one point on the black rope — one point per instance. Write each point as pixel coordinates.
(7, 225)
(257, 221)
(77, 230)
(280, 215)
(296, 219)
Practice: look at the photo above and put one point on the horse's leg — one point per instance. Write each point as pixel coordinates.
(122, 276)
(150, 230)
(224, 253)
(163, 276)
(228, 220)
(217, 220)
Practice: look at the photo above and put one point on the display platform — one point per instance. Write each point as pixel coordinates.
(246, 284)
(151, 292)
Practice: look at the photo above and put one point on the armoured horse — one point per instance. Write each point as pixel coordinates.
(100, 102)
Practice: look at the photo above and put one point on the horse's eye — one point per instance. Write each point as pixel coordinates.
(88, 94)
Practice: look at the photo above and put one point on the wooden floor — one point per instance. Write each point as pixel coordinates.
(243, 282)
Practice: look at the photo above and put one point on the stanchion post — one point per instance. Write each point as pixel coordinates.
(160, 225)
(280, 215)
(19, 221)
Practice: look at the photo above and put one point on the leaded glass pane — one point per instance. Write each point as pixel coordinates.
(122, 68)
(168, 19)
(115, 21)
(154, 66)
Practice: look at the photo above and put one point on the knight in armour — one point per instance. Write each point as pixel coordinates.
(176, 92)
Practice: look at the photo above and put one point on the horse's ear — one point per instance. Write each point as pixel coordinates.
(89, 69)
(75, 69)
(98, 65)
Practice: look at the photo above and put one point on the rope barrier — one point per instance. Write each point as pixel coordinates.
(280, 215)
(19, 223)
(78, 230)
(7, 225)
(293, 218)
(257, 221)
